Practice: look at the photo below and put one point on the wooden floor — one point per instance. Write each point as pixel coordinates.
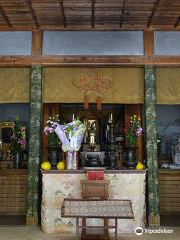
(35, 233)
(12, 220)
(169, 221)
(13, 228)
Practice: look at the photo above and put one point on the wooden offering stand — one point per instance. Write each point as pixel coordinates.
(95, 189)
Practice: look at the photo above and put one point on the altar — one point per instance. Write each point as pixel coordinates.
(57, 185)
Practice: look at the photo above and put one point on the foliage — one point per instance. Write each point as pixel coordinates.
(70, 129)
(133, 130)
(49, 130)
(18, 140)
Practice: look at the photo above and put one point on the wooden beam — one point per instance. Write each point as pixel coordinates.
(32, 13)
(5, 17)
(93, 9)
(63, 13)
(153, 13)
(122, 14)
(37, 43)
(148, 42)
(101, 61)
(88, 28)
(177, 22)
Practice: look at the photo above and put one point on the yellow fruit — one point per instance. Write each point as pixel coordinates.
(61, 166)
(139, 166)
(46, 166)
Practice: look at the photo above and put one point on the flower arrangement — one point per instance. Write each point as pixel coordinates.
(18, 140)
(133, 130)
(71, 135)
(70, 129)
(49, 130)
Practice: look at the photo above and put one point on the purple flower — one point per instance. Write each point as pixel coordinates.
(22, 129)
(75, 128)
(51, 130)
(46, 129)
(22, 141)
(139, 131)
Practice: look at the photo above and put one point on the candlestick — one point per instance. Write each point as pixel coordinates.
(112, 159)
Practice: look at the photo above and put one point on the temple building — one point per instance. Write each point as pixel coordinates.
(90, 117)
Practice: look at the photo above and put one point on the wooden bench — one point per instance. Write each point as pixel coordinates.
(110, 209)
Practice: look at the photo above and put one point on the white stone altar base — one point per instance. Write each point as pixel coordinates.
(57, 185)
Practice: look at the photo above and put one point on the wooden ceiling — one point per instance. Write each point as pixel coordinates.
(90, 14)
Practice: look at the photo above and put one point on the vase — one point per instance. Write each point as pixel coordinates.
(72, 160)
(131, 157)
(17, 160)
(53, 156)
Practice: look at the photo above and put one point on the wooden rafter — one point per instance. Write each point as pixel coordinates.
(73, 15)
(177, 22)
(122, 14)
(63, 13)
(5, 17)
(153, 13)
(93, 9)
(32, 13)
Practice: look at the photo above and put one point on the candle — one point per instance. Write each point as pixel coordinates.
(73, 117)
(106, 135)
(111, 117)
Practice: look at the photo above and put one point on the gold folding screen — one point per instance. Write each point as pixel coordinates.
(167, 85)
(14, 85)
(127, 85)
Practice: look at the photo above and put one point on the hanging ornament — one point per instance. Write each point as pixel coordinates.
(91, 81)
(86, 100)
(98, 101)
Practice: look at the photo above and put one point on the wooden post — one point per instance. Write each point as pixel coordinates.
(151, 146)
(77, 228)
(37, 43)
(148, 43)
(116, 228)
(34, 145)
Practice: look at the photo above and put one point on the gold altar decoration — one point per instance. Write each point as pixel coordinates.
(14, 85)
(7, 146)
(91, 81)
(167, 85)
(5, 125)
(127, 86)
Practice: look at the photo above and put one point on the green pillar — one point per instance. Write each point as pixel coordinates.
(34, 145)
(151, 146)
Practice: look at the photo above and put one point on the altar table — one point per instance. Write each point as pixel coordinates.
(57, 185)
(106, 209)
